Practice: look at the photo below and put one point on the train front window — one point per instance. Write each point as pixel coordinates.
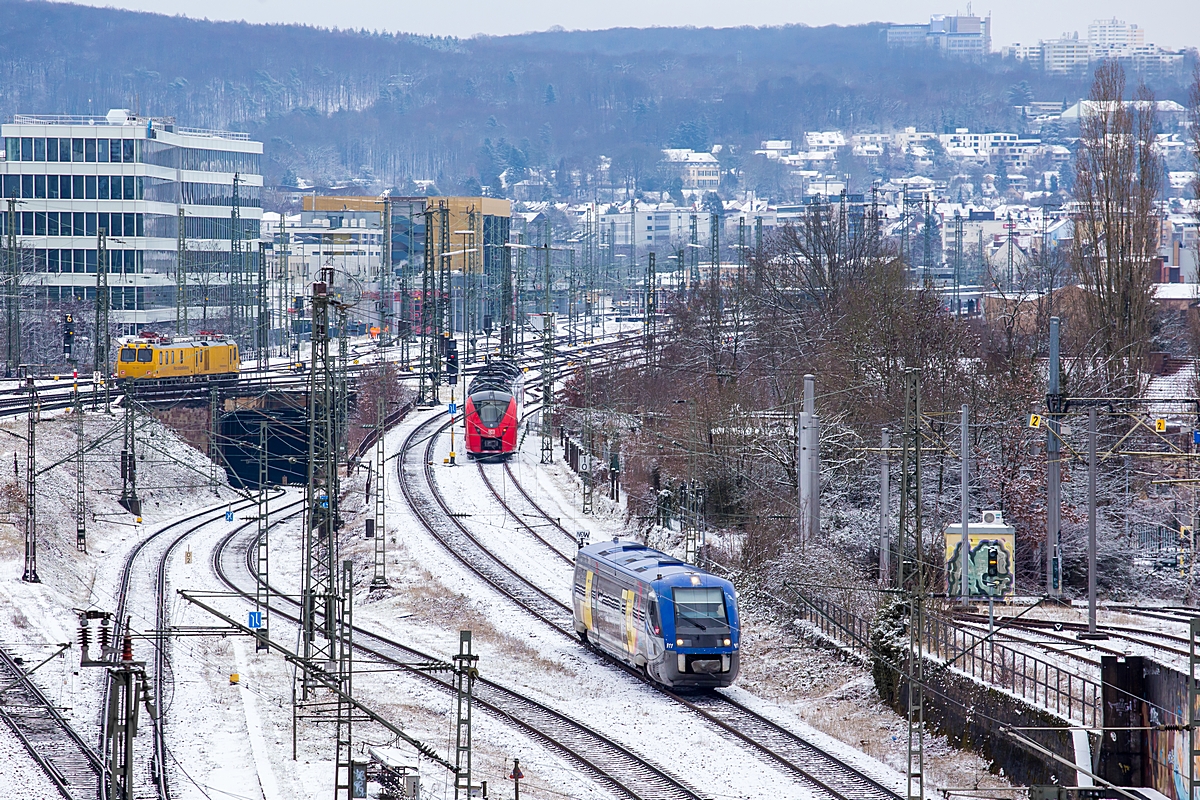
(700, 607)
(128, 354)
(145, 355)
(490, 411)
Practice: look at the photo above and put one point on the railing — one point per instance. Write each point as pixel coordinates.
(837, 623)
(1072, 696)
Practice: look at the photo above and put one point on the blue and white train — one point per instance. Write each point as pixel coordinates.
(672, 620)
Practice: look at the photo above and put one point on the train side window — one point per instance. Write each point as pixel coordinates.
(652, 621)
(145, 355)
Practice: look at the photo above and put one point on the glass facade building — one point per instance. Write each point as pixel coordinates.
(64, 179)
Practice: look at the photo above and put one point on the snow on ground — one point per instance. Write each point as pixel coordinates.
(515, 649)
(234, 741)
(20, 772)
(33, 617)
(807, 688)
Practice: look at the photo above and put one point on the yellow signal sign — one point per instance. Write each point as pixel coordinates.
(1035, 420)
(1160, 426)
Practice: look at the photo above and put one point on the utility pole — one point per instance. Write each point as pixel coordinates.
(912, 579)
(30, 575)
(344, 770)
(379, 573)
(284, 287)
(586, 439)
(80, 502)
(214, 434)
(1091, 631)
(507, 313)
(181, 325)
(386, 275)
(343, 400)
(1011, 227)
(694, 272)
(885, 511)
(129, 498)
(319, 590)
(262, 595)
(12, 298)
(126, 685)
(430, 342)
(649, 309)
(465, 673)
(101, 341)
(958, 263)
(234, 287)
(808, 465)
(964, 552)
(547, 362)
(264, 313)
(1054, 403)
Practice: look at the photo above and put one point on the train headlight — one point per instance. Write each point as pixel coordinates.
(726, 641)
(679, 642)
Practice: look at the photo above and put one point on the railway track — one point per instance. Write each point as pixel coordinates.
(1055, 631)
(595, 755)
(160, 671)
(71, 764)
(819, 770)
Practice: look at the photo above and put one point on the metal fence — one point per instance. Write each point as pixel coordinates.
(1036, 681)
(1070, 695)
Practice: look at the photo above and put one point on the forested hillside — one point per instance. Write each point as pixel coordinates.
(341, 105)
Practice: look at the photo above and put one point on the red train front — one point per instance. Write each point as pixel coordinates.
(493, 411)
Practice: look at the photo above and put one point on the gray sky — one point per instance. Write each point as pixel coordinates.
(1170, 23)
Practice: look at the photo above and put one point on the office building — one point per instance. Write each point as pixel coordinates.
(69, 178)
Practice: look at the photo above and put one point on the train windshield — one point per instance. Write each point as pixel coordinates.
(145, 355)
(128, 354)
(490, 411)
(700, 607)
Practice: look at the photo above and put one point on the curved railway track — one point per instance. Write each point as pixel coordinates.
(819, 770)
(161, 662)
(594, 754)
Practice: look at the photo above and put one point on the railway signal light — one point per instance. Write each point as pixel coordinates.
(993, 561)
(451, 362)
(68, 334)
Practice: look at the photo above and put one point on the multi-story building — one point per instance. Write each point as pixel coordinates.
(954, 36)
(698, 171)
(1067, 54)
(1108, 37)
(68, 179)
(345, 234)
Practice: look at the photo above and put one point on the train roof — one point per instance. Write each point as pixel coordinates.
(495, 375)
(645, 563)
(204, 340)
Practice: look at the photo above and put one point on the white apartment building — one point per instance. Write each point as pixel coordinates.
(699, 171)
(1066, 54)
(71, 177)
(1108, 37)
(824, 141)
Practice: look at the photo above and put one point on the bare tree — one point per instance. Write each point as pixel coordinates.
(1118, 178)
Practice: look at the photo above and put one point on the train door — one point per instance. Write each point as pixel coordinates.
(586, 605)
(628, 598)
(207, 360)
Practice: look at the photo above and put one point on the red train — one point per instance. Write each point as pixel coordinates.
(495, 398)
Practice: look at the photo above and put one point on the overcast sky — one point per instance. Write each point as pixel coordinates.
(1170, 23)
